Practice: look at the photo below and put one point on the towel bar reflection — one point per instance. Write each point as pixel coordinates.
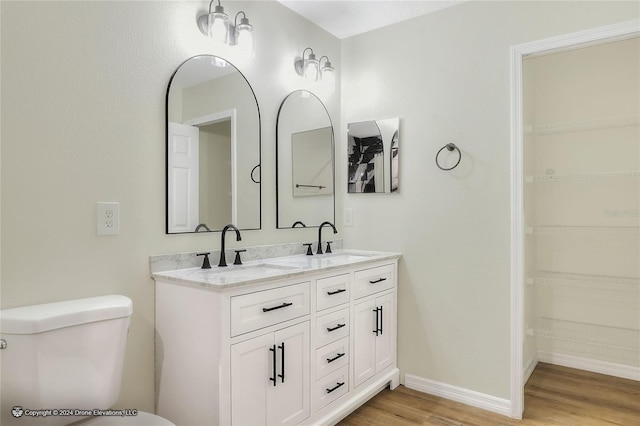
(449, 147)
(299, 185)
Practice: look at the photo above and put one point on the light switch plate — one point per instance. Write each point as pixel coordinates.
(348, 217)
(108, 218)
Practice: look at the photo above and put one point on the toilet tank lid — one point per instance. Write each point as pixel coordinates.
(50, 316)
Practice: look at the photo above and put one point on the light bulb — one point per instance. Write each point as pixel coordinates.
(328, 76)
(312, 68)
(244, 37)
(217, 23)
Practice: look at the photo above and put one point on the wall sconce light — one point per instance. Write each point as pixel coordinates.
(312, 68)
(327, 73)
(308, 68)
(216, 25)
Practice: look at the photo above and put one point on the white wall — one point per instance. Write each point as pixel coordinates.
(446, 75)
(83, 120)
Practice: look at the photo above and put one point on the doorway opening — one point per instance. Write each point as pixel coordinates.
(573, 205)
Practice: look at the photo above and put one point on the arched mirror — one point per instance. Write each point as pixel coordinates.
(305, 162)
(213, 148)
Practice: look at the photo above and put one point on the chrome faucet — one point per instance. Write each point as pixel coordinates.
(223, 260)
(335, 231)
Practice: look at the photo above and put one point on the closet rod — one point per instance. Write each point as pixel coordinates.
(587, 281)
(623, 339)
(579, 126)
(582, 176)
(617, 231)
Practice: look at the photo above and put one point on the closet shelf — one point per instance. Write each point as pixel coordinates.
(581, 176)
(579, 126)
(630, 286)
(615, 231)
(623, 339)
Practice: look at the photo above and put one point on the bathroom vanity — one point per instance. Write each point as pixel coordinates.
(287, 340)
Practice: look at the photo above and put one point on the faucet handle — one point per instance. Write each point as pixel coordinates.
(328, 249)
(237, 260)
(205, 262)
(309, 252)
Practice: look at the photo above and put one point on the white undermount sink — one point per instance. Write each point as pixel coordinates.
(250, 271)
(345, 256)
(320, 260)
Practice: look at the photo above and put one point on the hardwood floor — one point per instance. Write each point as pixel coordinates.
(554, 395)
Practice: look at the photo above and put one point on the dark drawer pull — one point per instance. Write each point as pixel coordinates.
(336, 327)
(377, 281)
(341, 290)
(284, 305)
(330, 360)
(335, 387)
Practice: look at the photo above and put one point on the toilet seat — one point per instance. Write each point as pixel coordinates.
(141, 419)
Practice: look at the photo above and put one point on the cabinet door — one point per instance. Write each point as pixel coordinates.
(251, 368)
(364, 350)
(374, 337)
(386, 338)
(288, 401)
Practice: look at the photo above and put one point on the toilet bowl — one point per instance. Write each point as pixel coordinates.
(61, 361)
(140, 419)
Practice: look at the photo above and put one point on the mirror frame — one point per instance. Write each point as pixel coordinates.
(333, 165)
(387, 149)
(166, 145)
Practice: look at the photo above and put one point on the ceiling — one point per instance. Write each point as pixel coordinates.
(347, 18)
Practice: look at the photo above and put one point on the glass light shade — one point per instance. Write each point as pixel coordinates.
(244, 38)
(328, 77)
(312, 68)
(217, 23)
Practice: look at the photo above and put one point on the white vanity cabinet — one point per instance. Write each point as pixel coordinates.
(306, 347)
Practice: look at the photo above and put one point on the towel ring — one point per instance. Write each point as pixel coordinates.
(450, 147)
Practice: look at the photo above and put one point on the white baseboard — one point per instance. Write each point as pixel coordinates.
(465, 396)
(528, 369)
(593, 365)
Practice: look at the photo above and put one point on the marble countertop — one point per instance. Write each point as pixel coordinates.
(270, 268)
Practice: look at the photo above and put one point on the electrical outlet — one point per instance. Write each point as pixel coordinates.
(108, 218)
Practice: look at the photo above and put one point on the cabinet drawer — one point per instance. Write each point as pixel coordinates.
(331, 387)
(264, 308)
(332, 327)
(332, 291)
(373, 280)
(331, 357)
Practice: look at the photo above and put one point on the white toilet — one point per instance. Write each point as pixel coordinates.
(64, 360)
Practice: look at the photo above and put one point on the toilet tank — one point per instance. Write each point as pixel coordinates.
(62, 356)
